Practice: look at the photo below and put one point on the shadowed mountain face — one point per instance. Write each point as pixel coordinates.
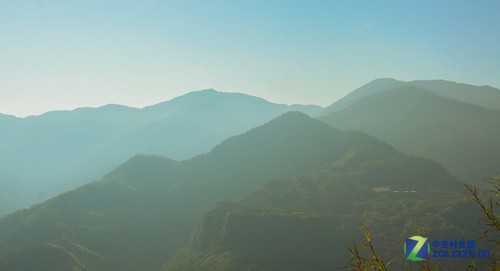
(484, 96)
(461, 136)
(306, 223)
(44, 155)
(140, 214)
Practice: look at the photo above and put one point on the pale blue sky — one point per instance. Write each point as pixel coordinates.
(67, 54)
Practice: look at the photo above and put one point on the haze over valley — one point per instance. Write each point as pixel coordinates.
(277, 163)
(249, 135)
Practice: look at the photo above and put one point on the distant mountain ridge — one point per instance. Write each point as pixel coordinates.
(484, 96)
(461, 136)
(59, 150)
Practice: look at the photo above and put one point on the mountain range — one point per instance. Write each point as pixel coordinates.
(484, 96)
(144, 211)
(247, 185)
(42, 156)
(460, 135)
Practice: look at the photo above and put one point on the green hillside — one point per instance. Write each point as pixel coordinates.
(46, 257)
(154, 203)
(461, 136)
(306, 223)
(140, 214)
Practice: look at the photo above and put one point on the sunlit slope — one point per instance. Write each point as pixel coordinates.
(461, 136)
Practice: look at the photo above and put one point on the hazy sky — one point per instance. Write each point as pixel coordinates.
(66, 54)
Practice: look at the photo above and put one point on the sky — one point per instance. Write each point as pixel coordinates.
(57, 55)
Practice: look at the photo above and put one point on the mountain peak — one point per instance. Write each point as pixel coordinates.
(297, 120)
(384, 80)
(286, 130)
(115, 107)
(206, 96)
(207, 91)
(484, 96)
(372, 87)
(295, 115)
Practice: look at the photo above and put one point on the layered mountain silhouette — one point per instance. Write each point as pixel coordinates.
(139, 215)
(289, 194)
(484, 96)
(44, 155)
(461, 136)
